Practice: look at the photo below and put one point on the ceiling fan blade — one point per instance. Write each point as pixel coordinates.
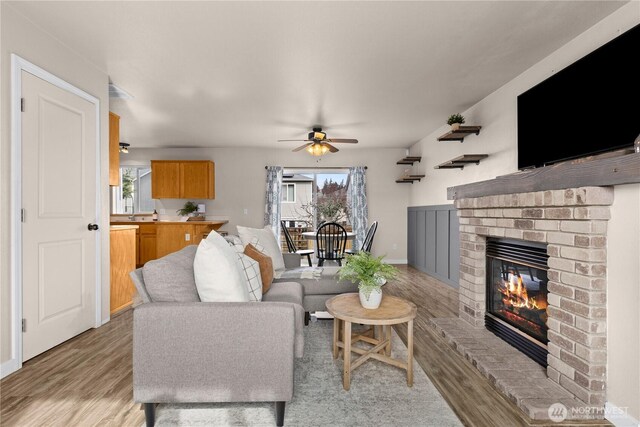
(294, 140)
(331, 148)
(342, 140)
(302, 147)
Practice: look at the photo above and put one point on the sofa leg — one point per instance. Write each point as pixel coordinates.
(150, 414)
(280, 414)
(307, 317)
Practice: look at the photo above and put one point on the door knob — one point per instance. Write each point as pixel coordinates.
(93, 227)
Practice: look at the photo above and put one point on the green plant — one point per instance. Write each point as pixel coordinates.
(367, 270)
(188, 208)
(455, 118)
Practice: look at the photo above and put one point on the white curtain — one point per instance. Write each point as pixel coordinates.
(272, 199)
(357, 200)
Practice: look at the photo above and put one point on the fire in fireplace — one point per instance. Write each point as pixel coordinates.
(517, 295)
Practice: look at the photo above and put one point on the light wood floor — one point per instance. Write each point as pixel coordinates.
(87, 381)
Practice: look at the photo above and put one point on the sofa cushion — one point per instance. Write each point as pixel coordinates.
(285, 292)
(251, 270)
(265, 238)
(170, 278)
(218, 272)
(318, 280)
(266, 266)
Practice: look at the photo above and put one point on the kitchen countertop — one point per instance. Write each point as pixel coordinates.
(128, 222)
(123, 227)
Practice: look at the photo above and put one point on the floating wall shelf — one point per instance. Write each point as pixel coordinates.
(410, 179)
(409, 161)
(458, 135)
(462, 161)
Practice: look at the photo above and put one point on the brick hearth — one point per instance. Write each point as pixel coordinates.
(573, 223)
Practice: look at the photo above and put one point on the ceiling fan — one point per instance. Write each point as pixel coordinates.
(318, 144)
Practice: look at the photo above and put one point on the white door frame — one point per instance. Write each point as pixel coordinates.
(18, 65)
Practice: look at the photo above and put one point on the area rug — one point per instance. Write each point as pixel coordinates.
(379, 395)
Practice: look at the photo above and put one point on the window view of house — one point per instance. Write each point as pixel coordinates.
(310, 198)
(134, 195)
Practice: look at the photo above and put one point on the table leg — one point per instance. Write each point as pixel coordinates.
(410, 353)
(388, 338)
(346, 374)
(336, 336)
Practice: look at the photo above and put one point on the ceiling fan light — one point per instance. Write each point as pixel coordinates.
(317, 149)
(124, 147)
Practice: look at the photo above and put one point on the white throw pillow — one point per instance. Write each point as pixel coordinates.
(219, 272)
(254, 280)
(265, 238)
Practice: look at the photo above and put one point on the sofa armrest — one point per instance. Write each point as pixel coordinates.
(291, 260)
(213, 352)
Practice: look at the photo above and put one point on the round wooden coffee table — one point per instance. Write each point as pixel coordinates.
(346, 309)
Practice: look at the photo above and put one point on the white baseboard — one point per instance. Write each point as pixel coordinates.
(9, 367)
(619, 416)
(396, 261)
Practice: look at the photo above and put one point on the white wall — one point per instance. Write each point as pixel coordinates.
(240, 184)
(497, 114)
(623, 300)
(20, 36)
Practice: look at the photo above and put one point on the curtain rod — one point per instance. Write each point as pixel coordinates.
(315, 167)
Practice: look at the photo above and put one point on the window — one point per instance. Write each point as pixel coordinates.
(289, 193)
(134, 193)
(316, 196)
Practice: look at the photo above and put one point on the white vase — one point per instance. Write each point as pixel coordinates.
(455, 126)
(373, 302)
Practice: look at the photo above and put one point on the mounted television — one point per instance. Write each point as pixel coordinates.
(591, 106)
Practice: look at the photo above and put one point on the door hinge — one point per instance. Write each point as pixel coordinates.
(24, 325)
(22, 215)
(22, 104)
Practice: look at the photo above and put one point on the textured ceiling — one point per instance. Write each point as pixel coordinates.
(250, 73)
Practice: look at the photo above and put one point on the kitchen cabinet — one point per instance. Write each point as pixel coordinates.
(182, 179)
(147, 244)
(114, 149)
(173, 237)
(157, 239)
(123, 261)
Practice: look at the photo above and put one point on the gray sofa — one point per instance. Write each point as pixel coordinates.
(185, 350)
(319, 283)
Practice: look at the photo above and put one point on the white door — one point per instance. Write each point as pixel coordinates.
(59, 201)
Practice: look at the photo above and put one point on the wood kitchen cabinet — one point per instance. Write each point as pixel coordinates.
(147, 244)
(182, 179)
(114, 149)
(123, 261)
(173, 237)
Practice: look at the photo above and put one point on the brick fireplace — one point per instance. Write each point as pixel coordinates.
(573, 225)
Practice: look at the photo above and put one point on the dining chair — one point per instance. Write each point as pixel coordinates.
(368, 240)
(291, 245)
(331, 240)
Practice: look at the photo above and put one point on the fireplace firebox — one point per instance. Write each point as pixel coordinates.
(517, 295)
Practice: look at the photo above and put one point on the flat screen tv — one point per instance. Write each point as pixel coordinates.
(591, 106)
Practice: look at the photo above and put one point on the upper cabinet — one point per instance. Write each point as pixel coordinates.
(182, 179)
(114, 149)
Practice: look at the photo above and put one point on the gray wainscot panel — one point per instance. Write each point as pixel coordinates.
(434, 241)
